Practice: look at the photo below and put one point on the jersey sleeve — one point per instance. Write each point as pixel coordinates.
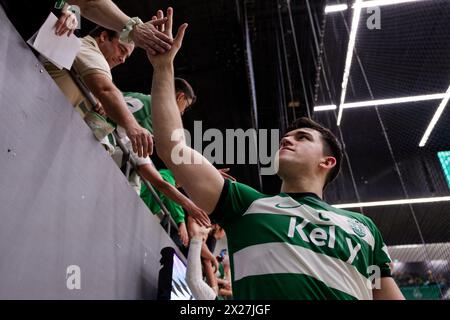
(233, 202)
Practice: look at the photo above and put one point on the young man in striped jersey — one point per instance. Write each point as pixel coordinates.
(289, 246)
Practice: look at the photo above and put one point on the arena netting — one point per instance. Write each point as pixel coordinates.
(395, 149)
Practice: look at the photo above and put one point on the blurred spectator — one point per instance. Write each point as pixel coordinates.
(140, 103)
(172, 199)
(100, 52)
(223, 275)
(210, 263)
(199, 288)
(163, 181)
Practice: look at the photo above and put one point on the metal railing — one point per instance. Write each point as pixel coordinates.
(126, 152)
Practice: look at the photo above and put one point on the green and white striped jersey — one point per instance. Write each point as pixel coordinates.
(295, 246)
(140, 106)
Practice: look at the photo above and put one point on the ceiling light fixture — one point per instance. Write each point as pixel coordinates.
(357, 6)
(336, 8)
(370, 103)
(324, 108)
(391, 202)
(348, 59)
(382, 102)
(367, 4)
(379, 3)
(435, 118)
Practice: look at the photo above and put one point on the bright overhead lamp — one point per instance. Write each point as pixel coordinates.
(382, 102)
(391, 202)
(348, 59)
(379, 3)
(435, 118)
(357, 6)
(336, 8)
(370, 103)
(324, 108)
(366, 4)
(406, 246)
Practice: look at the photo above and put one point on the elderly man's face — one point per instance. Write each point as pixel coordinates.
(115, 52)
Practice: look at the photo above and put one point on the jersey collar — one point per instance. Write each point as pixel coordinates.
(302, 194)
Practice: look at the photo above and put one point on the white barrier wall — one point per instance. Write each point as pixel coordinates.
(70, 225)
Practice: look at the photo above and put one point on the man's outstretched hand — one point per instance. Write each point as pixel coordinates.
(141, 140)
(196, 230)
(200, 216)
(163, 59)
(148, 36)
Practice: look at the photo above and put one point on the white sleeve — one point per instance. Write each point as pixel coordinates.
(126, 141)
(199, 288)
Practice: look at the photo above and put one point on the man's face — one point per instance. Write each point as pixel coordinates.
(115, 52)
(183, 102)
(300, 149)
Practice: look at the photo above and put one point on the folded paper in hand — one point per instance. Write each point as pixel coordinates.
(59, 50)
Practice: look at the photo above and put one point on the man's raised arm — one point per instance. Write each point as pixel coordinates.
(195, 174)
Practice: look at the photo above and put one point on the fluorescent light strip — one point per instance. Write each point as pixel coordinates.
(391, 202)
(435, 118)
(370, 103)
(336, 8)
(406, 246)
(348, 59)
(367, 4)
(379, 3)
(324, 108)
(382, 102)
(358, 5)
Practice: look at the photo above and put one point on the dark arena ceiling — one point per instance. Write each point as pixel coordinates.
(276, 54)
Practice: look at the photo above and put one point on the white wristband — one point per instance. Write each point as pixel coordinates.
(125, 34)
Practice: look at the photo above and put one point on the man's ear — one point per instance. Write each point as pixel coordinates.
(328, 162)
(103, 36)
(179, 95)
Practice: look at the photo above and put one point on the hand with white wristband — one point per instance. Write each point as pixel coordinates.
(146, 35)
(106, 14)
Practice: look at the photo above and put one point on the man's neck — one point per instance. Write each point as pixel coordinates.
(302, 184)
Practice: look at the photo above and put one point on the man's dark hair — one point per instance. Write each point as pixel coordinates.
(182, 85)
(331, 145)
(99, 29)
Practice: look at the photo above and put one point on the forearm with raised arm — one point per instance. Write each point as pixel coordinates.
(102, 12)
(205, 188)
(165, 112)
